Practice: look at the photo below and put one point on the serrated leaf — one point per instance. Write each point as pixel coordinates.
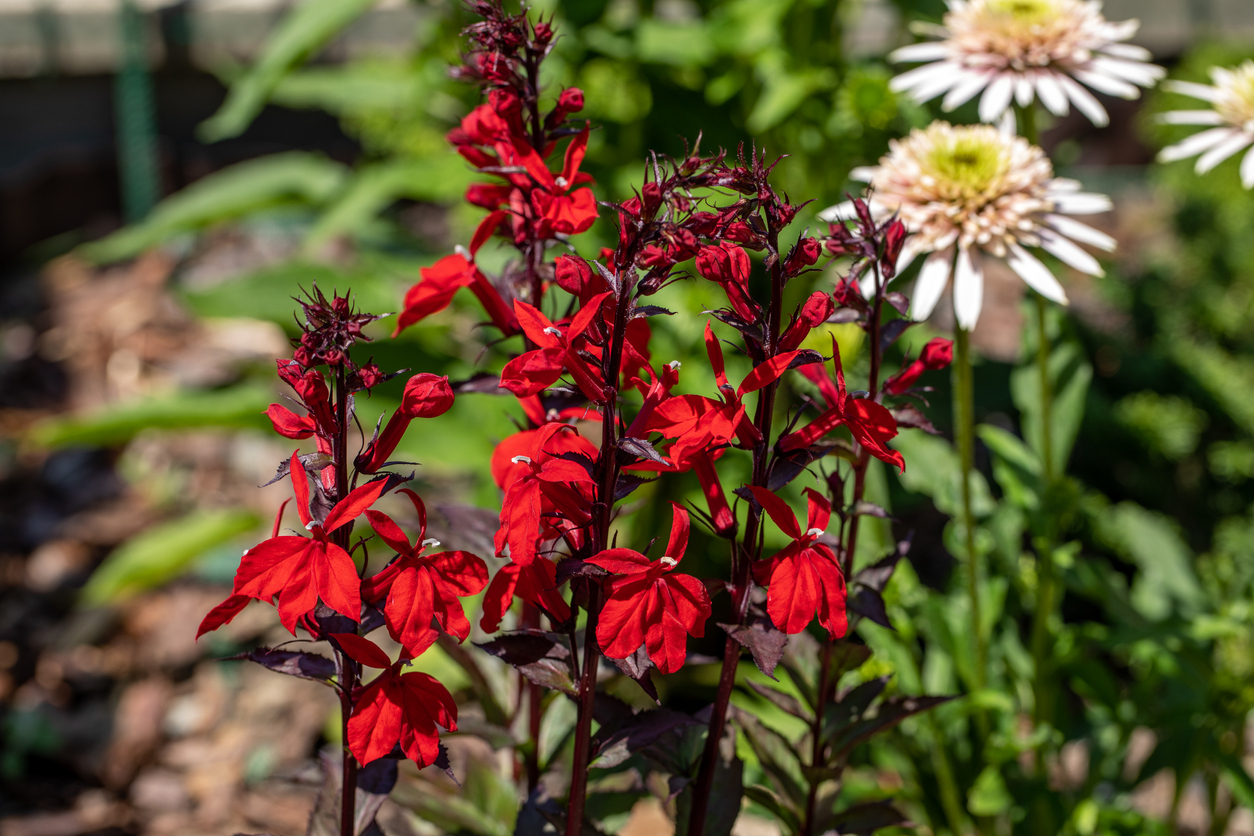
(542, 657)
(778, 757)
(611, 747)
(786, 702)
(865, 819)
(763, 640)
(293, 663)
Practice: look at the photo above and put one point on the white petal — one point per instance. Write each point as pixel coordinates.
(1195, 144)
(1084, 102)
(866, 284)
(968, 288)
(1146, 75)
(1083, 233)
(864, 173)
(1222, 76)
(1023, 90)
(910, 250)
(1188, 88)
(933, 277)
(920, 75)
(1051, 93)
(1247, 169)
(1006, 125)
(1128, 51)
(1036, 275)
(1082, 203)
(1108, 85)
(1069, 253)
(1189, 117)
(928, 51)
(968, 85)
(1223, 151)
(841, 211)
(997, 98)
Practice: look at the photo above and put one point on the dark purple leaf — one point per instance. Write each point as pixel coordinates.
(865, 819)
(293, 663)
(805, 357)
(483, 383)
(641, 449)
(627, 484)
(898, 300)
(650, 310)
(869, 509)
(869, 604)
(612, 747)
(889, 713)
(877, 575)
(843, 316)
(637, 667)
(908, 416)
(787, 702)
(464, 527)
(573, 567)
(542, 657)
(374, 784)
(763, 640)
(312, 462)
(892, 332)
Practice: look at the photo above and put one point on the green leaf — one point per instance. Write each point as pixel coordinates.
(932, 469)
(770, 801)
(988, 796)
(162, 552)
(376, 187)
(1016, 468)
(1070, 376)
(308, 27)
(353, 88)
(784, 92)
(1164, 561)
(240, 406)
(270, 292)
(683, 44)
(292, 177)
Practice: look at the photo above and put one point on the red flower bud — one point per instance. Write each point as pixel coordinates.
(894, 237)
(571, 100)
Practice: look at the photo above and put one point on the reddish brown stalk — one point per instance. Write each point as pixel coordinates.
(742, 564)
(346, 668)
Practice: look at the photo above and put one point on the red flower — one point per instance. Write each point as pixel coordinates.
(300, 570)
(651, 606)
(813, 313)
(534, 582)
(547, 483)
(443, 279)
(937, 354)
(870, 423)
(728, 265)
(426, 396)
(804, 579)
(420, 587)
(396, 708)
(534, 371)
(567, 212)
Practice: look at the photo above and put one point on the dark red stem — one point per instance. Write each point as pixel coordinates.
(742, 563)
(346, 668)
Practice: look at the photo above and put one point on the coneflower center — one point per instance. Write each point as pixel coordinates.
(1236, 104)
(965, 167)
(1025, 12)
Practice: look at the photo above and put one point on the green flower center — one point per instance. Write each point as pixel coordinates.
(1025, 12)
(1236, 103)
(966, 166)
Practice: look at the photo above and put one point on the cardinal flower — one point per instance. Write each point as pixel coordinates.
(426, 396)
(547, 482)
(937, 354)
(804, 579)
(557, 349)
(1231, 113)
(870, 423)
(1025, 50)
(302, 570)
(419, 587)
(534, 582)
(443, 279)
(970, 191)
(567, 209)
(396, 708)
(650, 606)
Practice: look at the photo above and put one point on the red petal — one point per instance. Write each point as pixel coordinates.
(223, 613)
(818, 510)
(778, 511)
(351, 507)
(793, 597)
(361, 649)
(534, 371)
(680, 526)
(500, 595)
(375, 727)
(621, 561)
(435, 290)
(766, 373)
(427, 396)
(336, 580)
(300, 485)
(389, 531)
(461, 572)
(620, 631)
(288, 424)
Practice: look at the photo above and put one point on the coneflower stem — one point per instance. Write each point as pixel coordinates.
(964, 421)
(1045, 592)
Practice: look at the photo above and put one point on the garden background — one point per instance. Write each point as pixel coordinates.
(256, 149)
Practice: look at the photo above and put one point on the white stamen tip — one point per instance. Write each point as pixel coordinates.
(309, 526)
(430, 543)
(560, 181)
(815, 532)
(553, 331)
(667, 560)
(462, 251)
(675, 365)
(521, 460)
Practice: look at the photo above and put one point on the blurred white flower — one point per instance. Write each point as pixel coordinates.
(972, 191)
(1024, 50)
(1232, 111)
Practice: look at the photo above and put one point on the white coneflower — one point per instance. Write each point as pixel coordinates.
(1232, 111)
(1024, 50)
(972, 191)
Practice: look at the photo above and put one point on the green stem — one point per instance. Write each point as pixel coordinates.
(964, 420)
(950, 798)
(1044, 541)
